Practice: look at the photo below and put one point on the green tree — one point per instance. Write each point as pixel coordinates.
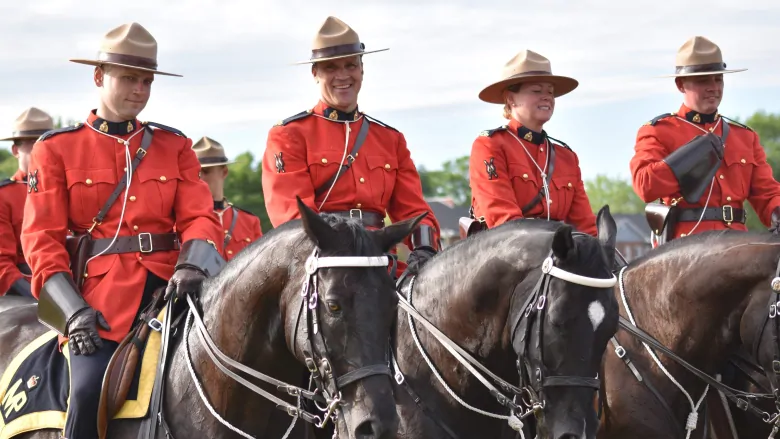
(451, 181)
(244, 187)
(616, 192)
(8, 163)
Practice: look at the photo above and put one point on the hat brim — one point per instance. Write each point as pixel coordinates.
(91, 62)
(715, 72)
(494, 93)
(211, 165)
(345, 55)
(10, 139)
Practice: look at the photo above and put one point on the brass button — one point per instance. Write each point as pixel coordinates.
(569, 184)
(324, 160)
(549, 201)
(683, 235)
(162, 178)
(125, 168)
(132, 198)
(541, 149)
(721, 176)
(362, 180)
(226, 232)
(135, 227)
(86, 275)
(230, 252)
(89, 181)
(743, 161)
(525, 176)
(728, 198)
(359, 205)
(387, 165)
(247, 240)
(140, 258)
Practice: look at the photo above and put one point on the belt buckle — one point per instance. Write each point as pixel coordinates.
(353, 215)
(728, 214)
(141, 242)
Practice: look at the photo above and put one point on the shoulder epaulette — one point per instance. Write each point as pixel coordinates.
(379, 122)
(51, 133)
(243, 210)
(560, 142)
(734, 122)
(300, 115)
(657, 118)
(488, 133)
(165, 127)
(7, 182)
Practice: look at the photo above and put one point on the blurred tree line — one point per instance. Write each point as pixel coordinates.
(244, 185)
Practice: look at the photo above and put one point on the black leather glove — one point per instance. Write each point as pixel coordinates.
(83, 337)
(775, 227)
(418, 257)
(185, 280)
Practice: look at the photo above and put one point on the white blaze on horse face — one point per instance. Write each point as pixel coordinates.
(596, 313)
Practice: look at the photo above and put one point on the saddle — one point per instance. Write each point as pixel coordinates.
(124, 363)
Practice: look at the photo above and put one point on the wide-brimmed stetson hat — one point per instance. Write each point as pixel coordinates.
(31, 124)
(334, 40)
(699, 56)
(129, 45)
(210, 153)
(526, 66)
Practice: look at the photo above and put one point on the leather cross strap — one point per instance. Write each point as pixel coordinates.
(229, 233)
(143, 243)
(359, 140)
(548, 177)
(146, 141)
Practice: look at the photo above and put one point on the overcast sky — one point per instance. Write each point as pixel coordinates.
(235, 56)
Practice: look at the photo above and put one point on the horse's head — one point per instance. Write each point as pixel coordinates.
(346, 320)
(563, 328)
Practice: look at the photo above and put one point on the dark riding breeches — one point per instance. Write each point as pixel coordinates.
(86, 382)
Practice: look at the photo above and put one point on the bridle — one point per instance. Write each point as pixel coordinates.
(328, 385)
(523, 401)
(535, 379)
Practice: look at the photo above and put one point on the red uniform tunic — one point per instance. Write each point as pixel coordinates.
(744, 173)
(72, 175)
(504, 179)
(302, 154)
(12, 197)
(246, 230)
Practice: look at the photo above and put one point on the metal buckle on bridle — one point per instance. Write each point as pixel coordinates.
(620, 351)
(155, 324)
(332, 405)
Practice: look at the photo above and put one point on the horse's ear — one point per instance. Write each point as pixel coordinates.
(563, 242)
(607, 232)
(317, 229)
(393, 234)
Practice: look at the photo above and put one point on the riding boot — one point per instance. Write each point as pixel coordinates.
(86, 382)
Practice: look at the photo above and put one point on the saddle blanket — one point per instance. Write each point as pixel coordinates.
(34, 390)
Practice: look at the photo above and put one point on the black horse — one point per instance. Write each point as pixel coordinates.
(703, 297)
(255, 314)
(483, 293)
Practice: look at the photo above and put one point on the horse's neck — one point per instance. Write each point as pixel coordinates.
(474, 316)
(250, 332)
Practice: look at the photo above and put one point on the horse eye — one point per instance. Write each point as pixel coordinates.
(333, 306)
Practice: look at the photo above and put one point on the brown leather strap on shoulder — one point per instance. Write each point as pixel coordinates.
(229, 233)
(141, 243)
(361, 137)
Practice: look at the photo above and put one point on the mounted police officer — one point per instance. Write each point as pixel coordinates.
(517, 170)
(702, 165)
(241, 227)
(124, 248)
(340, 160)
(14, 271)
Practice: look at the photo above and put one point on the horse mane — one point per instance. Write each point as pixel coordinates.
(705, 243)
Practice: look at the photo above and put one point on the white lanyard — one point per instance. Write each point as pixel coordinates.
(542, 172)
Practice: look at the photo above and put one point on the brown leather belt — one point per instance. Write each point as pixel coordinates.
(727, 214)
(143, 243)
(369, 219)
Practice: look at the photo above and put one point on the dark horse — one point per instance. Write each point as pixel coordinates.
(477, 293)
(702, 297)
(251, 311)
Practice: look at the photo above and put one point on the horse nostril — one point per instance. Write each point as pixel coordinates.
(371, 429)
(568, 436)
